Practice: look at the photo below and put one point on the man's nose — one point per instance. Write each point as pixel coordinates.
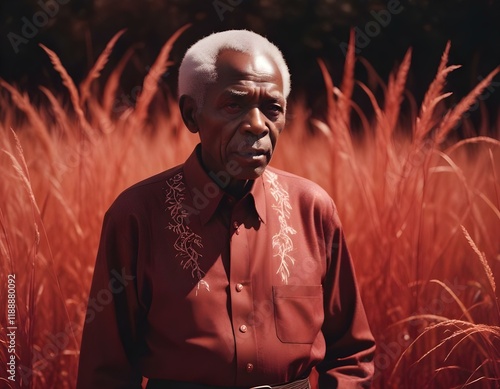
(255, 122)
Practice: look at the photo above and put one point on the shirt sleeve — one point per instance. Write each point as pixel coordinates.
(110, 345)
(350, 345)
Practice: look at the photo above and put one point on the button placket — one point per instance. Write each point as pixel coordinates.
(241, 300)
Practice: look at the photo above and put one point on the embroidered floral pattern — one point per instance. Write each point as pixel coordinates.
(282, 243)
(187, 243)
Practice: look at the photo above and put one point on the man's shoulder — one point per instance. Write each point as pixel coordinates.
(157, 179)
(146, 191)
(305, 193)
(298, 185)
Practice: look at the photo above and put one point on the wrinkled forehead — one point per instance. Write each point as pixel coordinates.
(233, 66)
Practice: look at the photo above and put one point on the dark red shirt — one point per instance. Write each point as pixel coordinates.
(192, 285)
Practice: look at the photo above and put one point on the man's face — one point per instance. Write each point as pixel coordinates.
(242, 116)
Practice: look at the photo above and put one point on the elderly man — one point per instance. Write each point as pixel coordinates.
(226, 273)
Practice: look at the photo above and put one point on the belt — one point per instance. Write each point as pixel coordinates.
(166, 384)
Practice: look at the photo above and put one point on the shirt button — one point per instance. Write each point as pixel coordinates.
(243, 328)
(249, 367)
(239, 287)
(236, 227)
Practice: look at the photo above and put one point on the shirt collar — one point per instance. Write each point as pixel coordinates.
(206, 194)
(259, 196)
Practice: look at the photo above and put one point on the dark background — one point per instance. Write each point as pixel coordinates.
(304, 30)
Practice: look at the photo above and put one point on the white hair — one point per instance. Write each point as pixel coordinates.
(198, 65)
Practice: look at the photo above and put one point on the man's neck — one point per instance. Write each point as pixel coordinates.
(238, 188)
(235, 188)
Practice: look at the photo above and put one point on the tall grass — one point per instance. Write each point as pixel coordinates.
(420, 209)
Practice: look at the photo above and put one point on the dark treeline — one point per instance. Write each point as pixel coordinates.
(77, 30)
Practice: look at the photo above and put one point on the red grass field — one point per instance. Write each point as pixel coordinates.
(420, 207)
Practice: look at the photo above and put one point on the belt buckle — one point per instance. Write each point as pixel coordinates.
(261, 387)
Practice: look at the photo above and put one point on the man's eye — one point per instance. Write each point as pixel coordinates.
(232, 107)
(275, 109)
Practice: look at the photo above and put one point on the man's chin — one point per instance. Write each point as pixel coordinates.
(251, 174)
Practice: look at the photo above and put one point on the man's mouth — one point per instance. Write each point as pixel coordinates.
(252, 153)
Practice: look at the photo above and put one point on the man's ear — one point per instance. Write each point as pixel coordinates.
(188, 109)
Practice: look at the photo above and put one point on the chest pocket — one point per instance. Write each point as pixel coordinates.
(298, 312)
